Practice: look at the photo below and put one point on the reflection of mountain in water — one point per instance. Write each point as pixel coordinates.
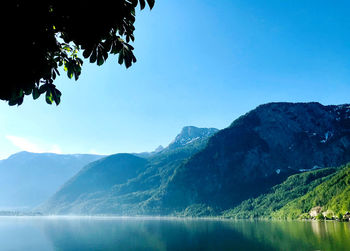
(98, 233)
(164, 234)
(297, 235)
(146, 234)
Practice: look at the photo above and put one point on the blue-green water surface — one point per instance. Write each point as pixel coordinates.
(128, 233)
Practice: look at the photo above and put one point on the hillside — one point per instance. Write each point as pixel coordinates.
(278, 196)
(332, 195)
(96, 179)
(28, 179)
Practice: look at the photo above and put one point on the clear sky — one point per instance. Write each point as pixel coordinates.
(201, 63)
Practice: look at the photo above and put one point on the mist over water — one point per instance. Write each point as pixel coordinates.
(152, 233)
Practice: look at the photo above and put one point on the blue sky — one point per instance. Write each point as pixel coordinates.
(201, 63)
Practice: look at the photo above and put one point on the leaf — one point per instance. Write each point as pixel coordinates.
(128, 59)
(150, 3)
(120, 58)
(77, 71)
(36, 93)
(53, 74)
(43, 88)
(20, 101)
(116, 46)
(80, 61)
(87, 52)
(93, 56)
(49, 98)
(100, 60)
(69, 66)
(70, 72)
(65, 68)
(12, 102)
(56, 94)
(142, 4)
(104, 54)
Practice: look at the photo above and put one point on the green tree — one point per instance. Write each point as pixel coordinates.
(42, 36)
(320, 217)
(340, 216)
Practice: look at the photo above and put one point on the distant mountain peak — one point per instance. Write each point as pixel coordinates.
(158, 149)
(19, 154)
(187, 136)
(25, 155)
(190, 134)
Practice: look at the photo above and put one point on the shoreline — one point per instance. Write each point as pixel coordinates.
(148, 217)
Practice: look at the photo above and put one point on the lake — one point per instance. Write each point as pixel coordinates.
(133, 233)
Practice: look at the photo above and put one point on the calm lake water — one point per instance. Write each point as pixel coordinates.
(103, 233)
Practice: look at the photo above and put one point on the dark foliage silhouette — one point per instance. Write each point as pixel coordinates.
(41, 37)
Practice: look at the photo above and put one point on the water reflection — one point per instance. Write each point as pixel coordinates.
(282, 235)
(97, 233)
(145, 234)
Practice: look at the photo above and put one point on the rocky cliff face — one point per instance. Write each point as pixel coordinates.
(258, 150)
(190, 134)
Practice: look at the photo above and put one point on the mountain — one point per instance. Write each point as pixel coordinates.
(95, 180)
(205, 172)
(27, 179)
(257, 151)
(119, 183)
